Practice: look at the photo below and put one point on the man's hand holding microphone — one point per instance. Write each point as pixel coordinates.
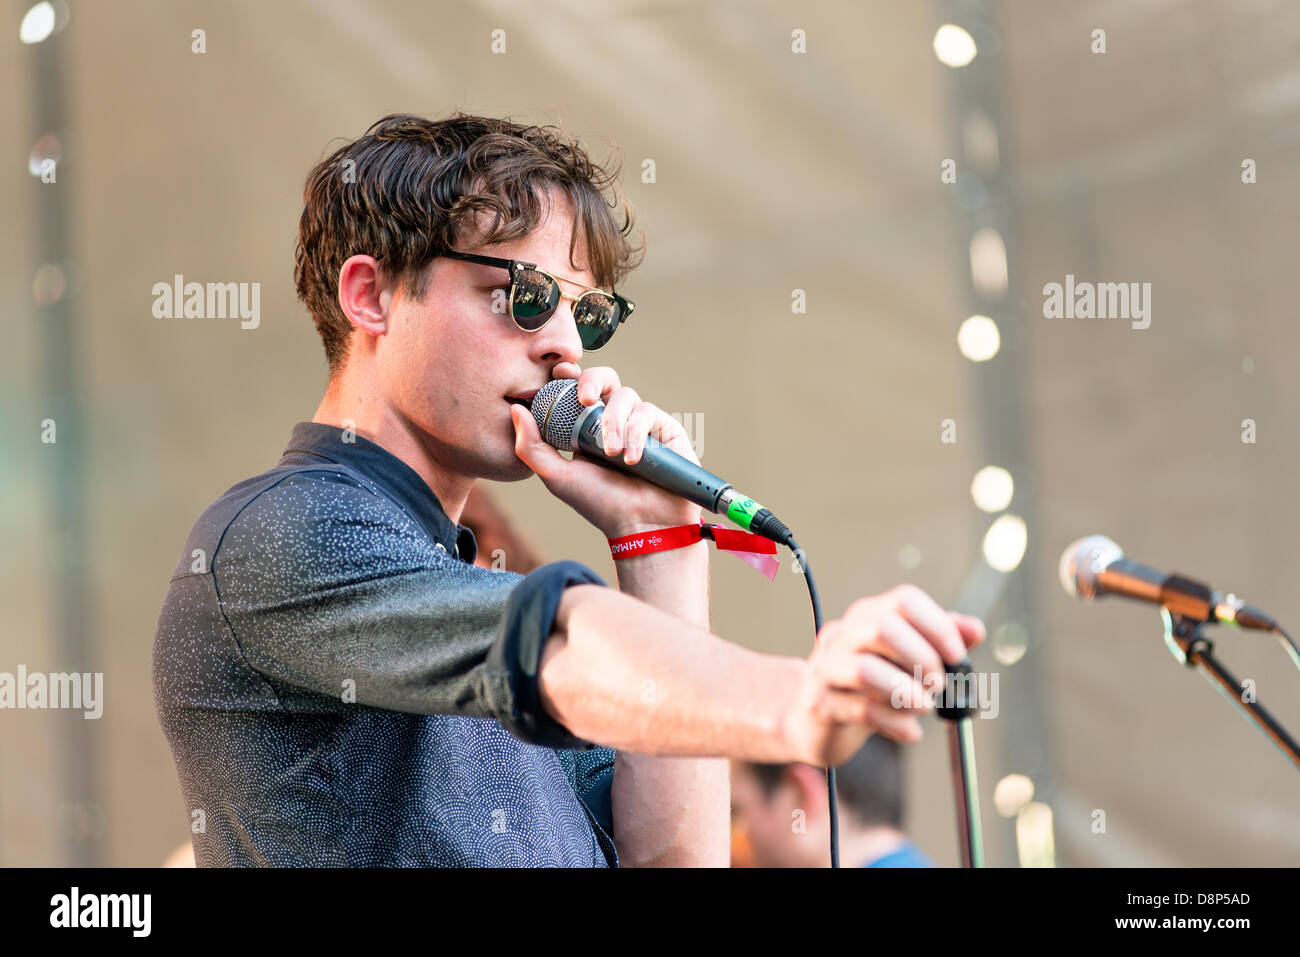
(713, 697)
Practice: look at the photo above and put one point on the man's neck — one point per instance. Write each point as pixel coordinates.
(376, 421)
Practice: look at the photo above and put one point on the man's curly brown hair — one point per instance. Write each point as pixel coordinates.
(410, 188)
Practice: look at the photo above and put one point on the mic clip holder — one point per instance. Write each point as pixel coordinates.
(1185, 638)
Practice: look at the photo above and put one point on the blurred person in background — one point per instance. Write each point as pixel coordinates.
(781, 818)
(497, 535)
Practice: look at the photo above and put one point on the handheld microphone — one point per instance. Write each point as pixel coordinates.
(569, 426)
(1096, 566)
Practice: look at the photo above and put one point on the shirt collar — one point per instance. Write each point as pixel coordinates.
(402, 483)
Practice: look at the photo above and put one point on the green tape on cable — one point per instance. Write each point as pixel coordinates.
(742, 512)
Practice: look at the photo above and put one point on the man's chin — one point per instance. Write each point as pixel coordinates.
(509, 471)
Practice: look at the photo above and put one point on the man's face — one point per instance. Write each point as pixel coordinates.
(446, 364)
(778, 831)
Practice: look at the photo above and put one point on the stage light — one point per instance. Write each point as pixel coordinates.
(988, 263)
(1009, 642)
(953, 46)
(1004, 543)
(49, 283)
(909, 557)
(980, 141)
(1012, 793)
(992, 488)
(47, 148)
(38, 23)
(978, 338)
(1034, 839)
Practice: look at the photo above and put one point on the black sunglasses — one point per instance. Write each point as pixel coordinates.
(535, 295)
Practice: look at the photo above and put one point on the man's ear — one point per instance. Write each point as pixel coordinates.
(808, 788)
(364, 295)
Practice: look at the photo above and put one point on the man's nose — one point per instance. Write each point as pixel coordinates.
(558, 340)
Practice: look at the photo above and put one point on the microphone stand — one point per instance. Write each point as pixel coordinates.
(956, 708)
(1186, 641)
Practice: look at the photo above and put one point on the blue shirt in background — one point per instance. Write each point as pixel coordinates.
(908, 855)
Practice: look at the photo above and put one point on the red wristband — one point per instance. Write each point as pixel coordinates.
(655, 540)
(753, 550)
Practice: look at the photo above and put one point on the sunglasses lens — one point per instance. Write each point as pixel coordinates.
(597, 316)
(533, 299)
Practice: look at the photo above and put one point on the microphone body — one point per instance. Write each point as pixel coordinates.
(567, 425)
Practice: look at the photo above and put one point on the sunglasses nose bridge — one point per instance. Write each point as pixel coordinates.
(561, 330)
(588, 338)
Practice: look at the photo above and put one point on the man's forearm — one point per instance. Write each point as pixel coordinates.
(711, 698)
(671, 811)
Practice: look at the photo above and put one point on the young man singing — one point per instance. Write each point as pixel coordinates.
(341, 684)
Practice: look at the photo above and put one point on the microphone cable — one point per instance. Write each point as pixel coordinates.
(1288, 644)
(833, 803)
(763, 522)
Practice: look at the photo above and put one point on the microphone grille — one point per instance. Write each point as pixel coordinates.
(556, 410)
(1082, 560)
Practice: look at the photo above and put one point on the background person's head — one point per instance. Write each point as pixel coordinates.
(781, 809)
(421, 342)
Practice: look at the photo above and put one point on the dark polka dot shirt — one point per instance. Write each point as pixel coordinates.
(341, 686)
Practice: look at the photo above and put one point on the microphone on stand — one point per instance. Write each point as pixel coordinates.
(1095, 566)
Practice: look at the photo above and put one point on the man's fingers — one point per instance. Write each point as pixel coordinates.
(971, 628)
(596, 383)
(845, 707)
(902, 726)
(613, 421)
(628, 424)
(566, 370)
(877, 678)
(649, 423)
(921, 612)
(671, 434)
(908, 648)
(932, 621)
(886, 634)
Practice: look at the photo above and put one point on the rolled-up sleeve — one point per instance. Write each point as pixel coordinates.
(332, 590)
(516, 656)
